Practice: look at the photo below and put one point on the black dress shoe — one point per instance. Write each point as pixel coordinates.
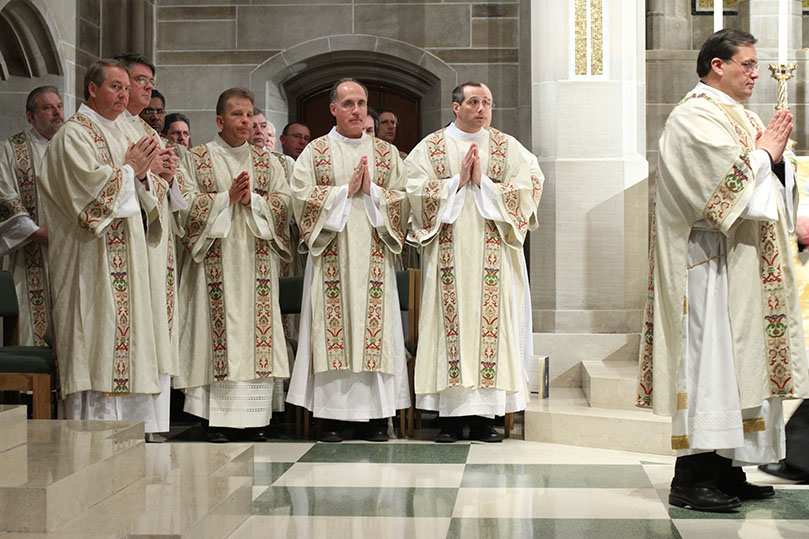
(446, 437)
(258, 434)
(216, 435)
(375, 434)
(709, 499)
(784, 471)
(330, 436)
(749, 491)
(483, 431)
(451, 430)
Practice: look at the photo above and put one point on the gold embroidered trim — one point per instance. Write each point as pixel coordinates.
(680, 442)
(755, 424)
(682, 401)
(706, 260)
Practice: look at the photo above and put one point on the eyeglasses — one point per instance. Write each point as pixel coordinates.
(159, 112)
(748, 66)
(142, 80)
(474, 102)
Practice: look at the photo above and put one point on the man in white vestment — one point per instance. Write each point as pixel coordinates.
(97, 256)
(178, 129)
(231, 339)
(719, 352)
(348, 193)
(294, 139)
(23, 234)
(160, 200)
(473, 193)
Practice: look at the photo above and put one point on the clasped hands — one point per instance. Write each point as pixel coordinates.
(146, 155)
(240, 189)
(470, 167)
(360, 179)
(775, 137)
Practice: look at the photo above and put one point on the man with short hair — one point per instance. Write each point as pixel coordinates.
(294, 139)
(177, 129)
(23, 235)
(474, 193)
(369, 128)
(723, 335)
(236, 228)
(97, 256)
(161, 199)
(387, 125)
(155, 112)
(271, 136)
(350, 206)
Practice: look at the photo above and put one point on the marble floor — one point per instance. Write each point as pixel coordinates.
(406, 489)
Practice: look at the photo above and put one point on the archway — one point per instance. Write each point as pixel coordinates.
(27, 48)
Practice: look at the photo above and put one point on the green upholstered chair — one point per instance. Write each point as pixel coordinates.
(23, 368)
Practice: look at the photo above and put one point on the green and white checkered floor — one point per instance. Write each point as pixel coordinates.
(414, 489)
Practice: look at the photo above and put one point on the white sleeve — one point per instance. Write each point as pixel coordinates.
(762, 205)
(176, 199)
(128, 199)
(221, 225)
(455, 200)
(16, 232)
(372, 206)
(486, 199)
(338, 214)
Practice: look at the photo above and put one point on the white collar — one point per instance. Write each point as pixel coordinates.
(96, 117)
(337, 136)
(220, 143)
(453, 131)
(34, 135)
(719, 95)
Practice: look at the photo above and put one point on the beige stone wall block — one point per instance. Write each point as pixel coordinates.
(429, 25)
(89, 37)
(251, 58)
(202, 2)
(506, 120)
(203, 124)
(478, 55)
(577, 109)
(196, 35)
(500, 78)
(280, 27)
(496, 10)
(197, 12)
(495, 32)
(197, 87)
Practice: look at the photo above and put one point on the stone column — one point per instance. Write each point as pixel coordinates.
(668, 25)
(760, 18)
(589, 256)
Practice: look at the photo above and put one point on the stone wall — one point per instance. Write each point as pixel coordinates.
(205, 46)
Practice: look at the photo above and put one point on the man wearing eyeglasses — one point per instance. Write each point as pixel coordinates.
(474, 193)
(294, 139)
(723, 335)
(161, 196)
(155, 111)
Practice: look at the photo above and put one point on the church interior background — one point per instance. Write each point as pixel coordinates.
(587, 86)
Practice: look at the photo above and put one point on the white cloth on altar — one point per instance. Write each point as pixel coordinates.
(153, 410)
(713, 418)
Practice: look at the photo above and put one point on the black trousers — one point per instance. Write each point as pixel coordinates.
(797, 433)
(707, 470)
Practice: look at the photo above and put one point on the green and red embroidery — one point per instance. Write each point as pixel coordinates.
(490, 306)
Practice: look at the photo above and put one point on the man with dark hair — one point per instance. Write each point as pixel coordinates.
(387, 125)
(160, 198)
(350, 206)
(371, 123)
(177, 129)
(723, 335)
(155, 112)
(23, 240)
(294, 138)
(474, 193)
(98, 262)
(236, 232)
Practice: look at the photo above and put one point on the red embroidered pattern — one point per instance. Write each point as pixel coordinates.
(511, 201)
(449, 304)
(393, 204)
(645, 373)
(375, 307)
(170, 283)
(10, 208)
(490, 306)
(536, 193)
(117, 257)
(437, 151)
(776, 319)
(498, 146)
(32, 252)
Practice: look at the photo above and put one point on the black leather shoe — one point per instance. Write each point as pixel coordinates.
(259, 434)
(709, 499)
(749, 491)
(483, 431)
(451, 430)
(446, 437)
(375, 434)
(216, 435)
(330, 436)
(784, 471)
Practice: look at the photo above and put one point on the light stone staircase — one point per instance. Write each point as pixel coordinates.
(100, 479)
(601, 413)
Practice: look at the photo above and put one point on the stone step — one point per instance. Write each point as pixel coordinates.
(190, 490)
(567, 418)
(13, 426)
(610, 384)
(65, 468)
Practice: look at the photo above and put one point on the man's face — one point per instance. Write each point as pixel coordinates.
(155, 113)
(259, 135)
(387, 126)
(350, 109)
(736, 78)
(237, 121)
(270, 137)
(141, 83)
(179, 133)
(476, 110)
(48, 115)
(112, 96)
(369, 127)
(295, 140)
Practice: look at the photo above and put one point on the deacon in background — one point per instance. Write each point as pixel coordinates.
(23, 234)
(97, 256)
(474, 193)
(348, 191)
(231, 338)
(723, 336)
